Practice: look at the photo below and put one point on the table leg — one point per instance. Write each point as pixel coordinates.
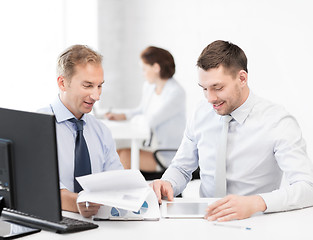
(135, 154)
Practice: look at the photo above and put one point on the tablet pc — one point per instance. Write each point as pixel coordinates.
(184, 209)
(9, 230)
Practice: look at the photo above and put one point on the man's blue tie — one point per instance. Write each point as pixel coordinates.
(82, 160)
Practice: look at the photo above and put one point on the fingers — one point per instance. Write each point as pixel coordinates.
(221, 215)
(156, 186)
(109, 116)
(219, 210)
(88, 210)
(168, 192)
(162, 189)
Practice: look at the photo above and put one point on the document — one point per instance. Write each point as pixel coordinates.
(148, 211)
(124, 189)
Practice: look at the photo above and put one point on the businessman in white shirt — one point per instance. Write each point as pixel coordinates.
(80, 80)
(263, 142)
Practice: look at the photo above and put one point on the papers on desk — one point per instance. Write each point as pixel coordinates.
(125, 195)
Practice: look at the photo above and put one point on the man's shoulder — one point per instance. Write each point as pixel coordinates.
(46, 109)
(268, 107)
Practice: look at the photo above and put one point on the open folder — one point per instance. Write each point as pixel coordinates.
(124, 194)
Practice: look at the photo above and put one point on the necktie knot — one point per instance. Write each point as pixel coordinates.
(227, 118)
(79, 124)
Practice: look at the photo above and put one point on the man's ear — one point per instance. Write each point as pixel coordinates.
(61, 83)
(243, 76)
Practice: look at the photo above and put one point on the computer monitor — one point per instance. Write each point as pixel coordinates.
(29, 164)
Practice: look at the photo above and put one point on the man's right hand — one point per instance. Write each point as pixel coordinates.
(115, 116)
(162, 189)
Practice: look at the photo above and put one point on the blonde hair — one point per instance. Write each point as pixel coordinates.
(76, 55)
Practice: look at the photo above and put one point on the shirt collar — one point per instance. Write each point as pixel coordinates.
(241, 113)
(61, 112)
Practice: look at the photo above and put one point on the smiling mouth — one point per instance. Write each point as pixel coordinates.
(90, 104)
(218, 105)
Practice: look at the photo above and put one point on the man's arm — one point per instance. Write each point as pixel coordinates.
(68, 200)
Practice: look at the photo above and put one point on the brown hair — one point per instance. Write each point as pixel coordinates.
(162, 57)
(76, 55)
(223, 53)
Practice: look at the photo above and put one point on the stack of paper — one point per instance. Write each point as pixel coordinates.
(125, 189)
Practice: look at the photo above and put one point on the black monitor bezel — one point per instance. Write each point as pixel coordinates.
(34, 161)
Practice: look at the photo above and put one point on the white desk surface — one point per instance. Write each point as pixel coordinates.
(128, 129)
(296, 225)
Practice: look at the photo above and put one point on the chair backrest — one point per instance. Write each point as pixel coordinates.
(159, 156)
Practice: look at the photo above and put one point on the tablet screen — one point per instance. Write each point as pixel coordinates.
(185, 209)
(10, 230)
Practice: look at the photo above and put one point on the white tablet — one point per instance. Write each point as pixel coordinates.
(184, 209)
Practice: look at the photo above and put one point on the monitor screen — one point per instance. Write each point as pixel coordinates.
(28, 146)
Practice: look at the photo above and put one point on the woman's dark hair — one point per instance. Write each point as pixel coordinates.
(162, 57)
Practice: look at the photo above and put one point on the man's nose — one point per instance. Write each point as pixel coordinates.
(95, 95)
(210, 96)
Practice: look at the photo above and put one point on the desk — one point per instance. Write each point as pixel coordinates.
(295, 225)
(136, 131)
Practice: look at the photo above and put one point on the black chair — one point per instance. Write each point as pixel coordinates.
(158, 174)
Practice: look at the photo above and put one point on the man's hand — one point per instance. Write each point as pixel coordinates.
(235, 207)
(162, 189)
(115, 116)
(88, 209)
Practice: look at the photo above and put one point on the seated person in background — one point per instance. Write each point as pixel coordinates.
(162, 105)
(80, 79)
(262, 142)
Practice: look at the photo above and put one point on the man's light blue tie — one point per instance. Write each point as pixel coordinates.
(220, 171)
(82, 164)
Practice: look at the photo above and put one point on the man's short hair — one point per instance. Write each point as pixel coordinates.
(76, 55)
(222, 53)
(164, 58)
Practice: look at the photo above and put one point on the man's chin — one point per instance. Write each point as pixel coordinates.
(222, 113)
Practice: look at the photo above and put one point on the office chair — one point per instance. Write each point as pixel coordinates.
(158, 174)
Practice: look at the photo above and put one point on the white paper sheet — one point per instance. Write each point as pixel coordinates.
(126, 189)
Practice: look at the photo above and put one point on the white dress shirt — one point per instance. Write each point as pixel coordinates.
(165, 114)
(264, 141)
(101, 146)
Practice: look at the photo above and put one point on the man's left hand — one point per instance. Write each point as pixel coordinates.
(234, 207)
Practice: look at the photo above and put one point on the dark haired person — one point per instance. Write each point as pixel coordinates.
(262, 142)
(80, 79)
(162, 105)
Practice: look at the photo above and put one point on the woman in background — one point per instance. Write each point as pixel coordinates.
(162, 105)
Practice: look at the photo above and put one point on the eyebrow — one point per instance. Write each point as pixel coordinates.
(214, 85)
(92, 83)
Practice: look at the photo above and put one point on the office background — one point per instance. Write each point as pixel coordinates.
(276, 35)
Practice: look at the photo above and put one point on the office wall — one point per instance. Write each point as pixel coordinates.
(33, 34)
(276, 36)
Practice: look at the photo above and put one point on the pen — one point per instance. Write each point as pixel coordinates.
(87, 205)
(231, 226)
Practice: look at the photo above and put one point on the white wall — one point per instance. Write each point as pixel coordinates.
(31, 37)
(276, 36)
(33, 34)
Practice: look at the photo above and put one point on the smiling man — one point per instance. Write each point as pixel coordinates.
(263, 141)
(84, 144)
